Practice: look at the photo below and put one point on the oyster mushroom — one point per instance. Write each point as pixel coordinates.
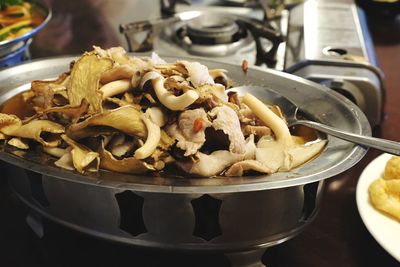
(209, 90)
(210, 165)
(55, 151)
(65, 160)
(117, 54)
(157, 115)
(84, 81)
(167, 98)
(68, 111)
(125, 165)
(44, 93)
(152, 140)
(281, 153)
(119, 72)
(217, 161)
(82, 157)
(270, 119)
(120, 145)
(125, 119)
(115, 87)
(43, 131)
(239, 168)
(129, 72)
(18, 143)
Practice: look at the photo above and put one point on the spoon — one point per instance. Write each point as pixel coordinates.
(290, 110)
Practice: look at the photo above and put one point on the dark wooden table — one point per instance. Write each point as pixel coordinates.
(337, 237)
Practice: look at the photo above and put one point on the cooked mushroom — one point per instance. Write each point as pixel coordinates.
(65, 161)
(18, 143)
(283, 153)
(125, 119)
(210, 165)
(167, 98)
(84, 81)
(120, 145)
(153, 138)
(270, 119)
(240, 168)
(126, 165)
(43, 131)
(55, 151)
(82, 157)
(217, 161)
(120, 72)
(115, 87)
(136, 115)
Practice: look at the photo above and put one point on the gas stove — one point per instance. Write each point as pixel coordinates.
(323, 41)
(229, 34)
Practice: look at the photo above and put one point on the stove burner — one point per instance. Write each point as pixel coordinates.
(209, 30)
(210, 35)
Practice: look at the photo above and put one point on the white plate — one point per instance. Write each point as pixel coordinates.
(384, 229)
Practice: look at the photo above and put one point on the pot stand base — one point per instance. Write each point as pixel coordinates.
(251, 258)
(35, 222)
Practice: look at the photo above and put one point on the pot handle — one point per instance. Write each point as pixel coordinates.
(312, 195)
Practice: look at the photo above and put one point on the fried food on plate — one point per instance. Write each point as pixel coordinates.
(392, 169)
(385, 192)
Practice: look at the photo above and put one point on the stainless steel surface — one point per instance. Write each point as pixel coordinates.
(290, 110)
(324, 105)
(328, 42)
(260, 45)
(203, 222)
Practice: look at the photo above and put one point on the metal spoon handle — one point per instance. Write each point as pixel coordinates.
(388, 146)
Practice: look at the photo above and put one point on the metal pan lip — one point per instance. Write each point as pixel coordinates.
(12, 81)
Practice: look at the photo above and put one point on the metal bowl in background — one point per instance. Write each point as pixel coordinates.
(238, 216)
(16, 50)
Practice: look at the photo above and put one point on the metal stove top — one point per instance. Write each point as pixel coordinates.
(230, 33)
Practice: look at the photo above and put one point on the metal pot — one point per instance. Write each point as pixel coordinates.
(230, 215)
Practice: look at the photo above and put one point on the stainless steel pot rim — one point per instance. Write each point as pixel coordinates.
(11, 80)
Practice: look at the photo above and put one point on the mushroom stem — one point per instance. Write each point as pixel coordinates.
(117, 73)
(115, 88)
(270, 119)
(153, 138)
(171, 101)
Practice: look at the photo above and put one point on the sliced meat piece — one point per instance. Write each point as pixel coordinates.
(189, 130)
(226, 119)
